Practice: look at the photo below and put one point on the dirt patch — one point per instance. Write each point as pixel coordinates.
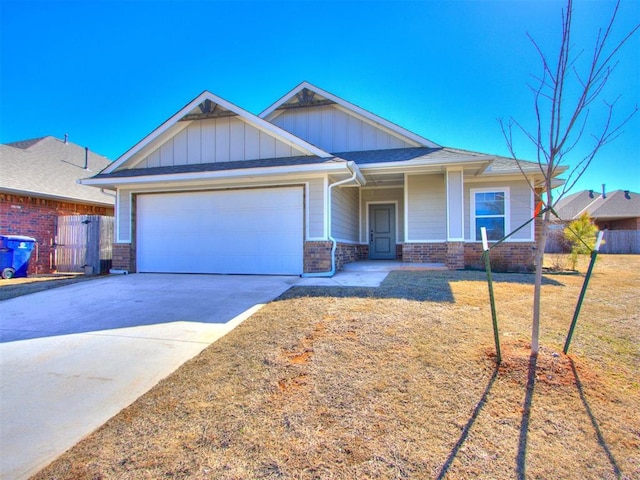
(396, 383)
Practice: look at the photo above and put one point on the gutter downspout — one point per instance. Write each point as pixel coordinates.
(357, 177)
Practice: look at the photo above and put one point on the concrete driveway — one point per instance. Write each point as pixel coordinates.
(72, 357)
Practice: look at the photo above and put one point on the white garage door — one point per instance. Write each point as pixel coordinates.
(239, 231)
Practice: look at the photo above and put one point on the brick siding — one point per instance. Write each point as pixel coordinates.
(455, 255)
(36, 217)
(424, 252)
(349, 252)
(625, 224)
(123, 257)
(317, 257)
(506, 257)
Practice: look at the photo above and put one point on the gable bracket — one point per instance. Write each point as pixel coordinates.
(306, 98)
(208, 109)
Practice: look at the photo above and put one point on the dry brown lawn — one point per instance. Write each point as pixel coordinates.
(16, 287)
(397, 382)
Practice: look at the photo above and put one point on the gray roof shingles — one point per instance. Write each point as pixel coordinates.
(219, 166)
(47, 167)
(499, 165)
(616, 204)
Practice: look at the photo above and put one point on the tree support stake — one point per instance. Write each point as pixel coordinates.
(576, 313)
(494, 317)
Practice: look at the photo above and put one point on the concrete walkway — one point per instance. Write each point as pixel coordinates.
(73, 357)
(366, 273)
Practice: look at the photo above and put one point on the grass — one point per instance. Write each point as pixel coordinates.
(396, 382)
(16, 287)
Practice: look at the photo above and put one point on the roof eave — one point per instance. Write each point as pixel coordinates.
(418, 164)
(28, 193)
(263, 172)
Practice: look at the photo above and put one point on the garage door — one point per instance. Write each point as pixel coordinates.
(239, 231)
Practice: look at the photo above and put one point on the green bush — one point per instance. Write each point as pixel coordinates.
(581, 235)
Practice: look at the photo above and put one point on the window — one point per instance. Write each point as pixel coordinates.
(489, 209)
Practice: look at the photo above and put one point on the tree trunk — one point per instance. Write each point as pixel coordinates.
(541, 241)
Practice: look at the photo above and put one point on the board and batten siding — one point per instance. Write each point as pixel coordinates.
(123, 216)
(334, 130)
(226, 139)
(344, 214)
(521, 207)
(426, 208)
(316, 209)
(382, 195)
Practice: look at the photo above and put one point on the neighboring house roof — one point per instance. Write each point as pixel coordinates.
(50, 168)
(617, 204)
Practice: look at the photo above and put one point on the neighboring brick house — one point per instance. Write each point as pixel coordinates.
(616, 210)
(38, 183)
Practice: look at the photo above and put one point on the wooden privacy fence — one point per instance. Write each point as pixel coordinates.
(616, 241)
(621, 241)
(83, 241)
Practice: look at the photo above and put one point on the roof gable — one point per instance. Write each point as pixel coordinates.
(211, 129)
(336, 125)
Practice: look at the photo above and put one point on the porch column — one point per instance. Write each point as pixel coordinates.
(455, 219)
(455, 205)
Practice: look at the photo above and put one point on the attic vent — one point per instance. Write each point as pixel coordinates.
(627, 194)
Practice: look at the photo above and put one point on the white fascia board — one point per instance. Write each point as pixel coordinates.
(371, 117)
(222, 174)
(247, 117)
(285, 98)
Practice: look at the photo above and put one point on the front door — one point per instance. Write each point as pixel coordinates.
(382, 232)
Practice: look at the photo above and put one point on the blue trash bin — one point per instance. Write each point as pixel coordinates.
(15, 251)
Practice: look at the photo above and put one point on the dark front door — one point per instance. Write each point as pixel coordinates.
(382, 232)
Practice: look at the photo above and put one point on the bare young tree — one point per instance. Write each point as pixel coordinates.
(563, 95)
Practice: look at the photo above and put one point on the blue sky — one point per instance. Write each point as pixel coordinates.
(109, 72)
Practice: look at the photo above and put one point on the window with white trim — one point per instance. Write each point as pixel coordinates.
(490, 209)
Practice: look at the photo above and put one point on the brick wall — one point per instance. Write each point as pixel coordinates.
(455, 255)
(424, 252)
(317, 257)
(626, 224)
(348, 252)
(123, 257)
(506, 257)
(36, 217)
